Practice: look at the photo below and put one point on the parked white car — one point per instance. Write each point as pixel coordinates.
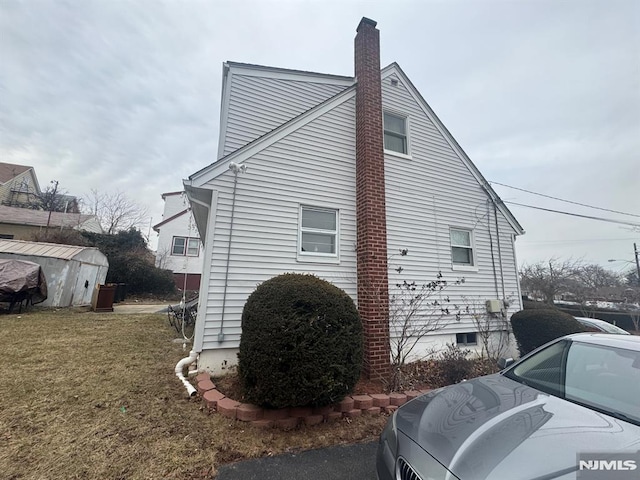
(597, 325)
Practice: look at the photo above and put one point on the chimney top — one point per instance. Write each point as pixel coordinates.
(366, 21)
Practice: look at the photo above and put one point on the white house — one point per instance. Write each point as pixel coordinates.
(334, 175)
(179, 246)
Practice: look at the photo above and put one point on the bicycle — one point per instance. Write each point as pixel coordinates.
(183, 318)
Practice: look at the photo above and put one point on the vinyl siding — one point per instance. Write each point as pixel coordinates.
(313, 166)
(257, 105)
(18, 195)
(426, 196)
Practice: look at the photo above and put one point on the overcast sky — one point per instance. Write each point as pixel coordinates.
(542, 95)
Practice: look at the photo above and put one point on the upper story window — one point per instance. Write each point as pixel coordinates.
(395, 133)
(461, 247)
(188, 246)
(318, 231)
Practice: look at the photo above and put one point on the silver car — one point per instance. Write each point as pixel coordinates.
(555, 414)
(597, 325)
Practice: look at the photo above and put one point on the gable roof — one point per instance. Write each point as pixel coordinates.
(262, 72)
(170, 194)
(9, 171)
(172, 217)
(215, 169)
(41, 218)
(495, 198)
(287, 73)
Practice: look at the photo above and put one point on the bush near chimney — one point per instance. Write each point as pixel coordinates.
(533, 328)
(301, 345)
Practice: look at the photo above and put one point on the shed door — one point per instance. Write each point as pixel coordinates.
(87, 275)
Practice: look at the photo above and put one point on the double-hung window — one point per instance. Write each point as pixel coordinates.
(188, 246)
(318, 234)
(395, 133)
(461, 247)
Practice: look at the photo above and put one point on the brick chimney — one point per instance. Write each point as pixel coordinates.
(373, 283)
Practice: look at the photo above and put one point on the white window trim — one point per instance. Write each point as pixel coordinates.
(186, 252)
(407, 128)
(466, 343)
(458, 266)
(186, 246)
(317, 257)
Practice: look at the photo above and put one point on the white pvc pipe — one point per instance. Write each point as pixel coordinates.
(180, 366)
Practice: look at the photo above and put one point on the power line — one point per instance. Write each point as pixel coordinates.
(577, 240)
(610, 220)
(567, 201)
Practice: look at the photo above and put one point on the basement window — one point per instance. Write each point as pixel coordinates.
(318, 232)
(395, 133)
(466, 339)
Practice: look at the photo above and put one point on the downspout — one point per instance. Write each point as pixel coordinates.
(236, 169)
(493, 258)
(193, 356)
(495, 216)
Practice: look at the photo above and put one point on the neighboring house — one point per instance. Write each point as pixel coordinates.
(70, 203)
(18, 185)
(72, 272)
(179, 246)
(22, 223)
(334, 175)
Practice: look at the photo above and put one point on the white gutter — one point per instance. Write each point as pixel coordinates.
(193, 356)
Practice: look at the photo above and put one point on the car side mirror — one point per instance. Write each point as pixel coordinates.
(505, 362)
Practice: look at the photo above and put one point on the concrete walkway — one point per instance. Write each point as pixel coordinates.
(332, 463)
(139, 308)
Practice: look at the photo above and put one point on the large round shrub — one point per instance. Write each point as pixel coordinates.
(301, 343)
(533, 328)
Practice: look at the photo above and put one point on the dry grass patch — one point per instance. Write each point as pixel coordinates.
(88, 395)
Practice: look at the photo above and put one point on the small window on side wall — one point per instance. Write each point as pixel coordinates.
(318, 232)
(193, 247)
(461, 247)
(395, 133)
(179, 245)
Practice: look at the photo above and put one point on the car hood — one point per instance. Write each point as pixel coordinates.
(495, 427)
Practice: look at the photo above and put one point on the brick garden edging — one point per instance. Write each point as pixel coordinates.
(288, 418)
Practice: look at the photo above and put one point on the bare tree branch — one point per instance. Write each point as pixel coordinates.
(115, 211)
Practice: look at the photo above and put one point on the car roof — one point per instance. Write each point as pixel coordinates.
(595, 321)
(629, 342)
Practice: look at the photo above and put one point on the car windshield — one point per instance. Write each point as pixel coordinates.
(600, 325)
(603, 378)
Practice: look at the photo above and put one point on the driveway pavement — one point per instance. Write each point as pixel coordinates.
(129, 308)
(332, 463)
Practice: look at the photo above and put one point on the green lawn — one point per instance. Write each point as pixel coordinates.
(86, 395)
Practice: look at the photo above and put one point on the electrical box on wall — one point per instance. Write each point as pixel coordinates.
(494, 306)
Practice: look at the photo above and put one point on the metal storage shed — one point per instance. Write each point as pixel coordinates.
(72, 272)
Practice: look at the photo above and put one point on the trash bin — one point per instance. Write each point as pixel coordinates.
(121, 292)
(103, 297)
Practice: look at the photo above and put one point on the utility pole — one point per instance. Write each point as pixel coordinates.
(51, 203)
(635, 251)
